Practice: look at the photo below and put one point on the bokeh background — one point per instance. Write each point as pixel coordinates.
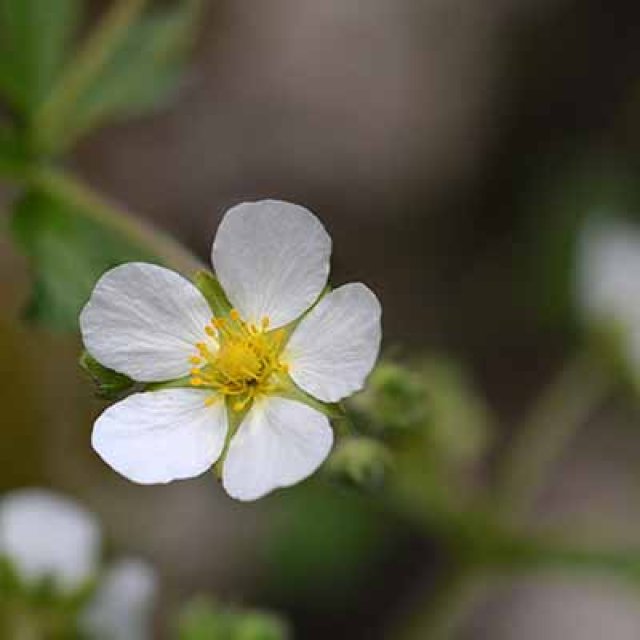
(450, 147)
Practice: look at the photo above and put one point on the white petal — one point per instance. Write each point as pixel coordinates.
(47, 536)
(160, 436)
(144, 320)
(123, 605)
(280, 442)
(272, 259)
(334, 348)
(608, 274)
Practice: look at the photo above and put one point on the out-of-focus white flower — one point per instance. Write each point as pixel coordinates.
(272, 259)
(608, 279)
(122, 606)
(45, 536)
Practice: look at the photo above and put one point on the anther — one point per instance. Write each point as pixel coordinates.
(265, 323)
(234, 315)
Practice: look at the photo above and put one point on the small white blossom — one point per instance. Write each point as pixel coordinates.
(45, 536)
(272, 259)
(122, 606)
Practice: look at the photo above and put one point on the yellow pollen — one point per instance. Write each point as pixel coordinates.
(242, 363)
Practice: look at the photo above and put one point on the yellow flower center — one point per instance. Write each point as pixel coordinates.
(239, 360)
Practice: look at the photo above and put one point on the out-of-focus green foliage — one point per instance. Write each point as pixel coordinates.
(68, 253)
(140, 74)
(40, 610)
(341, 541)
(35, 38)
(13, 152)
(130, 62)
(206, 620)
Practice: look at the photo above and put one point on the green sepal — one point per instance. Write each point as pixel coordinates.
(110, 384)
(213, 292)
(178, 383)
(234, 419)
(291, 391)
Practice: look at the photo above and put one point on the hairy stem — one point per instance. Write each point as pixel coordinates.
(88, 203)
(551, 424)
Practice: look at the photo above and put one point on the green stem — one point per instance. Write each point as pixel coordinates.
(551, 424)
(484, 543)
(450, 602)
(85, 202)
(51, 118)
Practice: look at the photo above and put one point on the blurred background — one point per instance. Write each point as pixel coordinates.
(451, 148)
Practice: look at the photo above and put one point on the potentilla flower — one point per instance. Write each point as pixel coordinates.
(47, 538)
(237, 375)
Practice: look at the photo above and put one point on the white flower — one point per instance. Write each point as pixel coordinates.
(122, 606)
(48, 537)
(272, 259)
(608, 279)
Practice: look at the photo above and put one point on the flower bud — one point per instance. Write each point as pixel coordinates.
(361, 461)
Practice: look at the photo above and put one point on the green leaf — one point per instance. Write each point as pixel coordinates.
(110, 384)
(68, 253)
(34, 41)
(13, 154)
(144, 71)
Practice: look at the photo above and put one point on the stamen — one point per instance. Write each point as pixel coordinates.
(241, 361)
